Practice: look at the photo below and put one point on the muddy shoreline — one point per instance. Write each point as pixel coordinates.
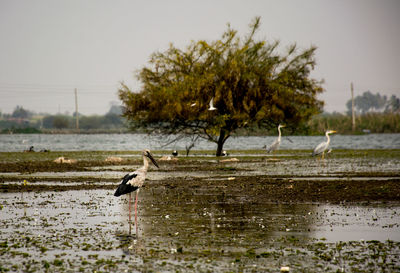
(288, 176)
(274, 190)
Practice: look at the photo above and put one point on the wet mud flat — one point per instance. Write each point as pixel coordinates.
(200, 214)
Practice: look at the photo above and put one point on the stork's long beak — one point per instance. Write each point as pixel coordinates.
(333, 131)
(152, 159)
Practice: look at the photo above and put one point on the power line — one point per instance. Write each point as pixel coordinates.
(58, 87)
(55, 85)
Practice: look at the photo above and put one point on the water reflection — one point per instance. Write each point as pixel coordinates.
(212, 218)
(205, 221)
(350, 222)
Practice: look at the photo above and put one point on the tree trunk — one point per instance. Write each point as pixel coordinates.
(220, 143)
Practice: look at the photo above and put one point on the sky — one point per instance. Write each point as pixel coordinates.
(50, 47)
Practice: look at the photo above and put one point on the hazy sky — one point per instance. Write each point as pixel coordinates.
(50, 47)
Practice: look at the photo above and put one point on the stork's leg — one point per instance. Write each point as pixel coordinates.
(136, 199)
(323, 154)
(130, 202)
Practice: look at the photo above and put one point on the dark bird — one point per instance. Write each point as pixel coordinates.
(133, 181)
(175, 153)
(31, 149)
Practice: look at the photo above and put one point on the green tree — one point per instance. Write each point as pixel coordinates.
(20, 112)
(91, 122)
(249, 82)
(368, 102)
(60, 122)
(393, 104)
(113, 120)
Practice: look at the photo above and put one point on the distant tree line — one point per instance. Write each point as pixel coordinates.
(372, 122)
(375, 114)
(22, 120)
(369, 102)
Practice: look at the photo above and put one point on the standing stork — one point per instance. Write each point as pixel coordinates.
(320, 149)
(275, 145)
(134, 181)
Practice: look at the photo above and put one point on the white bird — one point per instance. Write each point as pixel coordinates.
(275, 145)
(193, 104)
(133, 181)
(320, 149)
(212, 108)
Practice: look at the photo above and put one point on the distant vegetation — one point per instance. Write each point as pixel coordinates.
(375, 114)
(373, 122)
(366, 123)
(369, 102)
(25, 121)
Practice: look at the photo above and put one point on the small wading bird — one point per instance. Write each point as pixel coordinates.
(212, 108)
(134, 181)
(275, 145)
(320, 149)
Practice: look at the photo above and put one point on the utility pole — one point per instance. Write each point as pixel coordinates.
(76, 109)
(352, 109)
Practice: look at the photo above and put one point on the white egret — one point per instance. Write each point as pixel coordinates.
(275, 145)
(320, 149)
(133, 181)
(212, 108)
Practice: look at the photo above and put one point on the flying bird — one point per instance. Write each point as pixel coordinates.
(320, 149)
(275, 145)
(133, 181)
(212, 108)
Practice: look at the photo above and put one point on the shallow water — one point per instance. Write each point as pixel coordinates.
(208, 228)
(129, 142)
(203, 215)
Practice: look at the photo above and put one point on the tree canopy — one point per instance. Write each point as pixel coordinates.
(20, 112)
(249, 81)
(368, 102)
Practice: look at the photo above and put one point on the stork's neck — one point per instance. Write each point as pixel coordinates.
(145, 163)
(279, 132)
(327, 138)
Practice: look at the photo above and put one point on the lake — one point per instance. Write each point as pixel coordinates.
(122, 142)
